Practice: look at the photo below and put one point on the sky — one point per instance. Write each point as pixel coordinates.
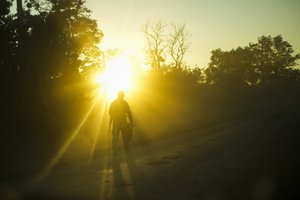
(213, 24)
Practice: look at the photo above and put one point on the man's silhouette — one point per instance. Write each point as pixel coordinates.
(121, 119)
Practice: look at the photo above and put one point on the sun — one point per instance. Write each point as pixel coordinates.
(118, 74)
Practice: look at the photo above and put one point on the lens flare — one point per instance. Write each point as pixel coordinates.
(117, 75)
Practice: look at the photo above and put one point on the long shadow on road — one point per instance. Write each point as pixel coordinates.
(254, 157)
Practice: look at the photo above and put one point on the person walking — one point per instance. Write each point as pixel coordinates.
(121, 121)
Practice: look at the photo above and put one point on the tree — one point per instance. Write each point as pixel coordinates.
(156, 39)
(178, 44)
(273, 59)
(64, 38)
(269, 61)
(231, 68)
(50, 43)
(4, 8)
(46, 48)
(162, 45)
(7, 34)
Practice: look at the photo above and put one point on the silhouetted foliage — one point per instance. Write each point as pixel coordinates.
(229, 88)
(6, 36)
(43, 51)
(4, 8)
(270, 61)
(273, 59)
(53, 40)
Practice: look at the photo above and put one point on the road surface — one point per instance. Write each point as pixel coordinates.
(253, 157)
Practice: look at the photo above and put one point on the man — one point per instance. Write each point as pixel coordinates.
(120, 113)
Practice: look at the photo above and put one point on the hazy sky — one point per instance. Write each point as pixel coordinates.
(224, 24)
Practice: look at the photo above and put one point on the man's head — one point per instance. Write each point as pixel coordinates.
(121, 95)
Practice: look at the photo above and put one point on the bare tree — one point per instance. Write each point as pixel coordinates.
(178, 44)
(156, 42)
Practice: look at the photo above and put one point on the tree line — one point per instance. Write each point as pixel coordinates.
(56, 42)
(271, 60)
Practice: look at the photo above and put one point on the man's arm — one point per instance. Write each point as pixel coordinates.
(128, 113)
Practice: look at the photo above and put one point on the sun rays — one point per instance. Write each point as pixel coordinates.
(118, 74)
(60, 153)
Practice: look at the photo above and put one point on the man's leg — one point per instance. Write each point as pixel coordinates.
(115, 138)
(125, 139)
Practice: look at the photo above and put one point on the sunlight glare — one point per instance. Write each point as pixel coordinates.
(117, 75)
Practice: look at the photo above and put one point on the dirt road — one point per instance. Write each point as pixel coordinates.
(254, 157)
